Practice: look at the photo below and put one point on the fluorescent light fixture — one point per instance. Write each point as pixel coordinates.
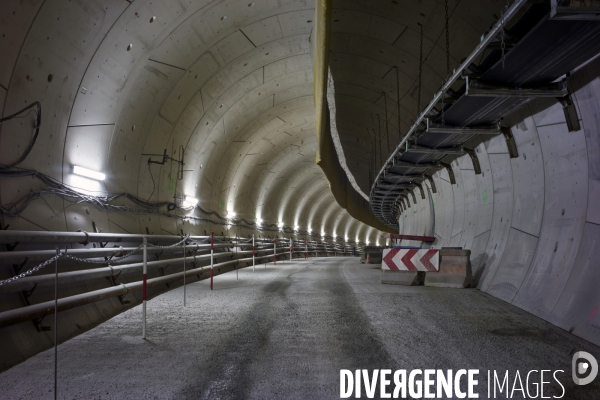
(191, 200)
(88, 173)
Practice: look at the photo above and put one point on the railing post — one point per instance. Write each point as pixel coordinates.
(184, 287)
(56, 325)
(144, 285)
(305, 250)
(212, 257)
(253, 256)
(291, 248)
(275, 251)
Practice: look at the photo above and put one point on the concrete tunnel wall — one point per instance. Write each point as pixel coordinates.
(532, 222)
(230, 81)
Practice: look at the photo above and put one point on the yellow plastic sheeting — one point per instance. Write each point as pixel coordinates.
(327, 158)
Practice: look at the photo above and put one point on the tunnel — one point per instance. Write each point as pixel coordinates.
(299, 199)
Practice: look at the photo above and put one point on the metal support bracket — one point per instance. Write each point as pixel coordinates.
(37, 322)
(417, 184)
(570, 113)
(414, 197)
(431, 182)
(18, 267)
(510, 142)
(475, 161)
(450, 172)
(122, 297)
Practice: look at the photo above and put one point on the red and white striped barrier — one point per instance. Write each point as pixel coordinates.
(411, 260)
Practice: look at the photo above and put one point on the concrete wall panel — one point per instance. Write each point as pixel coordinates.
(528, 179)
(514, 266)
(503, 197)
(16, 18)
(588, 102)
(577, 308)
(565, 208)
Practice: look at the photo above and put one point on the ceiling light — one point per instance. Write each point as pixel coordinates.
(88, 173)
(191, 200)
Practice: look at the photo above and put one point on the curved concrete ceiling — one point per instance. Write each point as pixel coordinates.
(229, 82)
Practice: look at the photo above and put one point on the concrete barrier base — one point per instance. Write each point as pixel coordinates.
(455, 270)
(406, 278)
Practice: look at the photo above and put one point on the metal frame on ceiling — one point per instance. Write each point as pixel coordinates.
(485, 97)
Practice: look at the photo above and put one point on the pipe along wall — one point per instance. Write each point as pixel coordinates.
(91, 293)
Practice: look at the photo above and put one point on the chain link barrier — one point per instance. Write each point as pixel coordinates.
(172, 245)
(32, 270)
(110, 260)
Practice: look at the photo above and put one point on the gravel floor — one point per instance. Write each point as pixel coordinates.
(285, 332)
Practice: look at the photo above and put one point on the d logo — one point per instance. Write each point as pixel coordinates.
(584, 363)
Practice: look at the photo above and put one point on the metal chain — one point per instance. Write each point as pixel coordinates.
(109, 261)
(32, 270)
(83, 260)
(172, 245)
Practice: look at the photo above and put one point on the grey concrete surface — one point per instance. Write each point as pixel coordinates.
(285, 331)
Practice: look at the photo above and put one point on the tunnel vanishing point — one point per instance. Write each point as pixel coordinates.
(240, 156)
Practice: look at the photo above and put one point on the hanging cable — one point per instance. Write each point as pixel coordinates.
(420, 79)
(502, 31)
(387, 130)
(447, 41)
(38, 123)
(379, 139)
(398, 100)
(153, 184)
(447, 61)
(420, 73)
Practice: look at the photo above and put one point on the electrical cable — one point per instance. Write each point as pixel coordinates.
(35, 135)
(153, 184)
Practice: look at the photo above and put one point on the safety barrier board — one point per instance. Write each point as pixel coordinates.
(411, 260)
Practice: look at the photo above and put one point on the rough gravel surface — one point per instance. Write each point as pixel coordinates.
(285, 331)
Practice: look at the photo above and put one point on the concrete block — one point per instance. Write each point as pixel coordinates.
(407, 278)
(455, 270)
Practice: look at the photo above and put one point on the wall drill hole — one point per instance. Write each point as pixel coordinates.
(152, 19)
(223, 17)
(50, 77)
(129, 47)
